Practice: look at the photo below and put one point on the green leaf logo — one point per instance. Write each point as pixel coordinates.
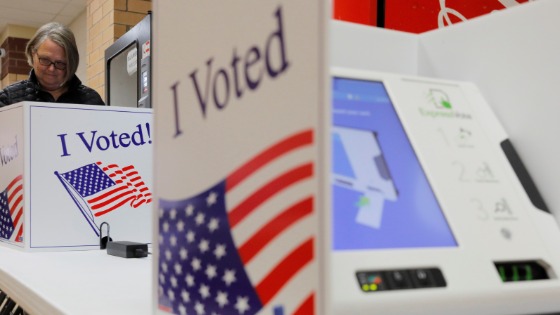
(439, 98)
(446, 104)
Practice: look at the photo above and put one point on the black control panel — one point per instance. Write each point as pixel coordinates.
(400, 279)
(515, 271)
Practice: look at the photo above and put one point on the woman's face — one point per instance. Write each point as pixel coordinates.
(48, 62)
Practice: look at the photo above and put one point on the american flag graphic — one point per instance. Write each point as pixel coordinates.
(11, 211)
(105, 188)
(245, 245)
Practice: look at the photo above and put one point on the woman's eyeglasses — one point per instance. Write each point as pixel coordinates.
(47, 63)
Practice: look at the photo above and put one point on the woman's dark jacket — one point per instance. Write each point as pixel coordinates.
(30, 91)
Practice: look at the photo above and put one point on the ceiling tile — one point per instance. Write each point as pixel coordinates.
(35, 13)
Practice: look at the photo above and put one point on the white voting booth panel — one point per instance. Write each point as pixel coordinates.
(484, 234)
(67, 168)
(238, 143)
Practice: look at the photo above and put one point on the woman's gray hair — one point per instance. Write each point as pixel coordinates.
(63, 37)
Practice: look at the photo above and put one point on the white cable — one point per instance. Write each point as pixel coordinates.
(509, 3)
(444, 13)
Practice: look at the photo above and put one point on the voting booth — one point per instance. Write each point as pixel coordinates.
(444, 167)
(67, 168)
(376, 182)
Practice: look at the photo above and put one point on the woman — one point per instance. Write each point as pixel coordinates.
(53, 55)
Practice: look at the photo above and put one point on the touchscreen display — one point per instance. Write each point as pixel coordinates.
(381, 196)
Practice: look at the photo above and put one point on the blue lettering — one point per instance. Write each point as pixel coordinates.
(63, 143)
(149, 133)
(100, 145)
(223, 74)
(234, 62)
(124, 140)
(247, 72)
(9, 153)
(112, 141)
(138, 136)
(89, 145)
(203, 99)
(279, 35)
(251, 58)
(178, 130)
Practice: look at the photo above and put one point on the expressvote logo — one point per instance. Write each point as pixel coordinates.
(439, 98)
(216, 85)
(440, 105)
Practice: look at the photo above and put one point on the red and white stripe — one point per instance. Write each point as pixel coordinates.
(277, 187)
(129, 189)
(15, 202)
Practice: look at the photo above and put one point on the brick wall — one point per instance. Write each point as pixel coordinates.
(107, 20)
(13, 66)
(15, 61)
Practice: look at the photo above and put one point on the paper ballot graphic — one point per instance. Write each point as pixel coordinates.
(359, 165)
